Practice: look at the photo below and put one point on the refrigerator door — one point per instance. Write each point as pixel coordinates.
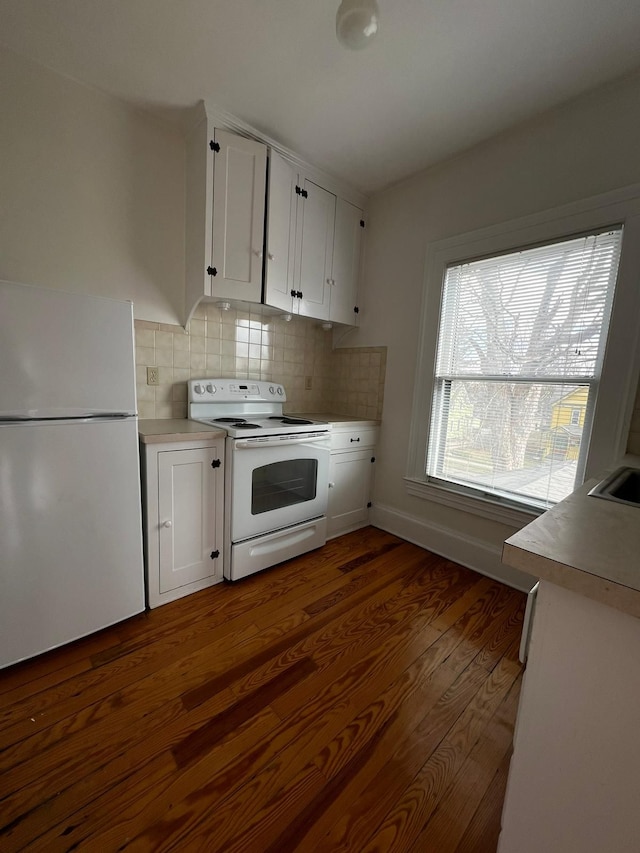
(64, 354)
(70, 532)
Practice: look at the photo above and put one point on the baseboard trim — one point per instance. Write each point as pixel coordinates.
(467, 550)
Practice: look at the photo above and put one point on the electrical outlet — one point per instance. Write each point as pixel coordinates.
(308, 382)
(153, 377)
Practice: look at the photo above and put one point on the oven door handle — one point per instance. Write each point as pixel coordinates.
(257, 445)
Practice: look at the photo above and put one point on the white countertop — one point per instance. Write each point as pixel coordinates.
(585, 544)
(175, 429)
(336, 420)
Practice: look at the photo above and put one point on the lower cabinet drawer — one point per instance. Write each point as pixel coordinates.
(356, 439)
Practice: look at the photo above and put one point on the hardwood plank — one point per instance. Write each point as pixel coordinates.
(362, 687)
(483, 830)
(456, 808)
(404, 821)
(214, 730)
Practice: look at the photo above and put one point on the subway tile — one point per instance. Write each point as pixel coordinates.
(347, 380)
(179, 392)
(181, 358)
(213, 365)
(181, 374)
(146, 410)
(197, 328)
(213, 346)
(164, 356)
(181, 343)
(164, 340)
(179, 410)
(165, 375)
(145, 338)
(146, 393)
(197, 345)
(198, 361)
(164, 410)
(146, 355)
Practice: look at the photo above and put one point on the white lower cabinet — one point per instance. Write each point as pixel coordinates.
(350, 478)
(184, 494)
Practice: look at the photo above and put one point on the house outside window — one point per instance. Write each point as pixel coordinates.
(523, 357)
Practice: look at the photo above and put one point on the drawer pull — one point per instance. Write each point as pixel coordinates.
(354, 439)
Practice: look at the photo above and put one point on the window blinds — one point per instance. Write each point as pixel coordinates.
(520, 345)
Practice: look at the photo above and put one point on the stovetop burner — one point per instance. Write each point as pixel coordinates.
(288, 420)
(251, 409)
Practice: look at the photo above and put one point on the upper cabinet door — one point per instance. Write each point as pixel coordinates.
(281, 233)
(347, 248)
(239, 182)
(314, 249)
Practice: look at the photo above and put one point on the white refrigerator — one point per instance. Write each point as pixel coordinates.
(70, 514)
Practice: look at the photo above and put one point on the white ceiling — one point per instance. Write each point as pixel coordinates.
(441, 75)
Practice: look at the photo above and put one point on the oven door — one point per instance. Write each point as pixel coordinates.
(276, 482)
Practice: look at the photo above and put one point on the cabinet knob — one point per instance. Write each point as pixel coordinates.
(271, 256)
(331, 485)
(331, 281)
(167, 524)
(257, 253)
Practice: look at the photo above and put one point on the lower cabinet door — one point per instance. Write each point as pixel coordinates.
(187, 517)
(349, 491)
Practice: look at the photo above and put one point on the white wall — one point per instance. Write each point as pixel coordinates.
(91, 192)
(587, 147)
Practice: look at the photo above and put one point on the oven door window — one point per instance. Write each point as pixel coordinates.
(282, 484)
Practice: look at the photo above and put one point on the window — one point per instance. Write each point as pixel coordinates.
(528, 359)
(520, 345)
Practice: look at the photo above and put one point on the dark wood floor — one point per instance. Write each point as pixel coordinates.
(358, 698)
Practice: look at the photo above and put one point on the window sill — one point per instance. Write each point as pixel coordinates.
(492, 510)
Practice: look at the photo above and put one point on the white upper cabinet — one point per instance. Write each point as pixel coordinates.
(300, 223)
(314, 244)
(347, 250)
(312, 239)
(281, 234)
(226, 184)
(239, 183)
(315, 220)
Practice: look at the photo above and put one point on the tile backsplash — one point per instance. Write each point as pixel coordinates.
(244, 345)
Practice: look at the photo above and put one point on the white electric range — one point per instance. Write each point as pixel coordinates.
(276, 475)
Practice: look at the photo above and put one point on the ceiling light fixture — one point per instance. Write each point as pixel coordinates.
(357, 23)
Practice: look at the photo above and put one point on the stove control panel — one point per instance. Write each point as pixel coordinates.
(230, 390)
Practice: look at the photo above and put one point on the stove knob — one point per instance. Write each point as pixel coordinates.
(279, 390)
(198, 389)
(272, 390)
(211, 389)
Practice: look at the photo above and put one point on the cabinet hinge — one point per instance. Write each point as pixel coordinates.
(373, 458)
(369, 505)
(215, 555)
(362, 223)
(215, 463)
(214, 146)
(356, 310)
(303, 193)
(212, 271)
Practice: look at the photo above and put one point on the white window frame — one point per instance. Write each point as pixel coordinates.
(617, 384)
